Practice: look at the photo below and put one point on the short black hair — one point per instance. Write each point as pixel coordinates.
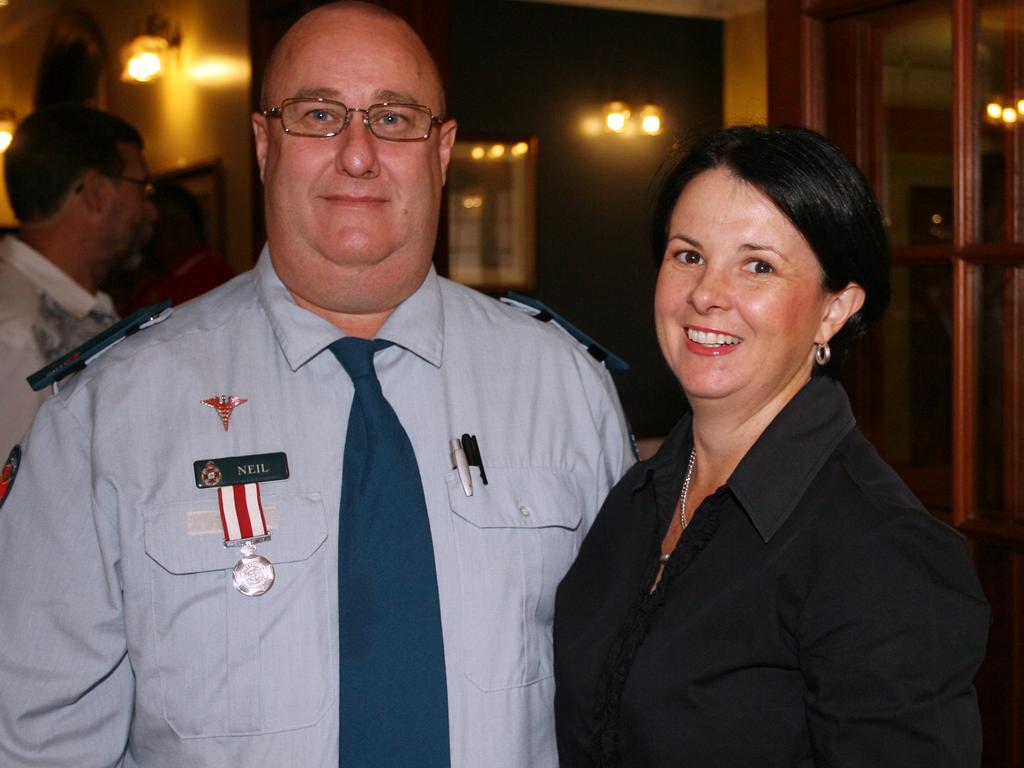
(822, 194)
(53, 148)
(174, 199)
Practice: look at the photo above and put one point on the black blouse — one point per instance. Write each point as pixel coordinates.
(813, 614)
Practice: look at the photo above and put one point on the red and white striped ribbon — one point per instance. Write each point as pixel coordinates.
(241, 512)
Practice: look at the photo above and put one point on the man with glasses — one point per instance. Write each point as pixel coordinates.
(318, 516)
(76, 180)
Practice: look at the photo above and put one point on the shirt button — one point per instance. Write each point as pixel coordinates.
(524, 510)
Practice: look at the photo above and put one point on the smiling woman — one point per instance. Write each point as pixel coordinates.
(765, 590)
(740, 305)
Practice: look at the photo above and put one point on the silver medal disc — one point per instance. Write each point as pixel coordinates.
(253, 575)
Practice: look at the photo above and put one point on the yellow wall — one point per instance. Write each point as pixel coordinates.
(745, 81)
(198, 112)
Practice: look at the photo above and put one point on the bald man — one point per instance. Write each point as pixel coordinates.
(132, 630)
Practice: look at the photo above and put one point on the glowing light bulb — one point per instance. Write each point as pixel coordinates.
(477, 153)
(994, 110)
(496, 151)
(616, 115)
(651, 119)
(6, 137)
(144, 67)
(1009, 115)
(520, 148)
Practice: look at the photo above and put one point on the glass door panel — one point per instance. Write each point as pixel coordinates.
(998, 111)
(916, 123)
(996, 284)
(916, 376)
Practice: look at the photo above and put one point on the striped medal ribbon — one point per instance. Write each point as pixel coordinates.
(245, 525)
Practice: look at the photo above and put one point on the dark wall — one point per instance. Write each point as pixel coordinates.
(525, 68)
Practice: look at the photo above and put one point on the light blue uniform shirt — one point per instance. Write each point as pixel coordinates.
(122, 638)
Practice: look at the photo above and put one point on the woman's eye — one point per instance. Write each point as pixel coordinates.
(759, 267)
(687, 257)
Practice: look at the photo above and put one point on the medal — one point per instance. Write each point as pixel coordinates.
(253, 574)
(237, 480)
(241, 514)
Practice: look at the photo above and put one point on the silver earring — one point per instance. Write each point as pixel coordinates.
(822, 354)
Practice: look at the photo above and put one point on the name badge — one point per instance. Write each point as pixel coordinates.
(239, 470)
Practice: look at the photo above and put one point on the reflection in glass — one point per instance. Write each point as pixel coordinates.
(917, 86)
(996, 104)
(917, 391)
(491, 214)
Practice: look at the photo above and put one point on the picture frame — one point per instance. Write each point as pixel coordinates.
(205, 180)
(491, 212)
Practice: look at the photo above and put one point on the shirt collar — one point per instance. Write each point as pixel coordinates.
(417, 324)
(52, 280)
(775, 473)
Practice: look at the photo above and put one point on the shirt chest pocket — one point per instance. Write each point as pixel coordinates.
(228, 664)
(516, 538)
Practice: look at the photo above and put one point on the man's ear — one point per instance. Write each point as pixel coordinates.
(261, 133)
(444, 147)
(93, 189)
(840, 307)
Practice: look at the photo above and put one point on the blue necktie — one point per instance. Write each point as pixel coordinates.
(394, 700)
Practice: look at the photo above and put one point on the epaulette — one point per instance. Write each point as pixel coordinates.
(544, 313)
(79, 357)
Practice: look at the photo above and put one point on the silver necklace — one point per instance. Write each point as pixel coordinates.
(682, 498)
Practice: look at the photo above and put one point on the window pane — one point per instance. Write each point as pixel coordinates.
(995, 282)
(996, 112)
(916, 398)
(917, 141)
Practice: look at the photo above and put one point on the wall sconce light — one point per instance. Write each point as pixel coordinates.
(616, 116)
(145, 56)
(651, 119)
(497, 151)
(8, 122)
(996, 113)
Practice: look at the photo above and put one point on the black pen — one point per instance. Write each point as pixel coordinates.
(472, 449)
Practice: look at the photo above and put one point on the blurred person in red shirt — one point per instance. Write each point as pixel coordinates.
(180, 263)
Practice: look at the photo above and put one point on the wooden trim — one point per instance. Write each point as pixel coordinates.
(812, 83)
(786, 61)
(966, 298)
(1007, 254)
(1015, 705)
(825, 9)
(995, 532)
(966, 277)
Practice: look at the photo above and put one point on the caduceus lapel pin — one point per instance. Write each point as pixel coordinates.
(224, 405)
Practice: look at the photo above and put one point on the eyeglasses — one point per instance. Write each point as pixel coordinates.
(323, 118)
(147, 186)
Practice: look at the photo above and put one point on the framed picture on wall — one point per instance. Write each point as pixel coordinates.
(491, 212)
(206, 182)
